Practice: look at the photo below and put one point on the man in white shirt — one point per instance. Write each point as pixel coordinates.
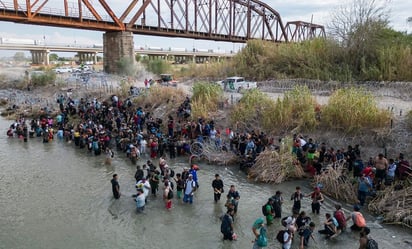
(140, 200)
(144, 185)
(190, 188)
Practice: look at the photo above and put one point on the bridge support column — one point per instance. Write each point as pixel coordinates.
(116, 46)
(40, 57)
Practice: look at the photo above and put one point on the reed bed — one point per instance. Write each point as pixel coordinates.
(161, 97)
(205, 99)
(353, 109)
(394, 206)
(295, 111)
(336, 184)
(276, 166)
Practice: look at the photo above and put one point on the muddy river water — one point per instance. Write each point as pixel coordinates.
(57, 196)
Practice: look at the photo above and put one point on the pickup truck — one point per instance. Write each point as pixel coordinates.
(63, 70)
(236, 84)
(167, 80)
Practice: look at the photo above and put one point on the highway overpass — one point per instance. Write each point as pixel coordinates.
(40, 53)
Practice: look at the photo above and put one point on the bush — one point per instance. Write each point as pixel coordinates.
(157, 66)
(205, 99)
(43, 79)
(156, 96)
(251, 109)
(351, 109)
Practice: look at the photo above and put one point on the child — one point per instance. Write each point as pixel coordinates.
(180, 185)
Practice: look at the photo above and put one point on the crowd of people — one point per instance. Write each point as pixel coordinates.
(119, 125)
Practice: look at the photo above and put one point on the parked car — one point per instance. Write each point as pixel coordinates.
(237, 84)
(63, 70)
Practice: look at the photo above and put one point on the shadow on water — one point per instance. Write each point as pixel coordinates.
(57, 196)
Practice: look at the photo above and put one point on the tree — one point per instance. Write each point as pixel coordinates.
(54, 57)
(19, 56)
(348, 18)
(359, 27)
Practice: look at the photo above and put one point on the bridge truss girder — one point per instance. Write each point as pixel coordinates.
(219, 20)
(298, 31)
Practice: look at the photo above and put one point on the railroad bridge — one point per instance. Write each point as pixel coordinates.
(218, 20)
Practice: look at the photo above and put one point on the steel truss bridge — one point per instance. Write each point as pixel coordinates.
(218, 20)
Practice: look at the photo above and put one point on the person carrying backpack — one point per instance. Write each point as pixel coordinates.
(285, 238)
(226, 228)
(277, 204)
(259, 231)
(365, 242)
(267, 211)
(305, 234)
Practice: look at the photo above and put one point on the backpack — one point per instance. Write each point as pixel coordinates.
(280, 235)
(172, 173)
(283, 221)
(170, 194)
(225, 227)
(264, 210)
(262, 240)
(372, 244)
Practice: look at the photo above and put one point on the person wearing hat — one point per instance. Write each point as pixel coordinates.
(217, 186)
(317, 199)
(190, 188)
(277, 204)
(258, 229)
(185, 174)
(145, 186)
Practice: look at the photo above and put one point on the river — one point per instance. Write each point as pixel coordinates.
(55, 195)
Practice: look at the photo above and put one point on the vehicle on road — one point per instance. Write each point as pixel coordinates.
(83, 68)
(63, 70)
(167, 80)
(237, 84)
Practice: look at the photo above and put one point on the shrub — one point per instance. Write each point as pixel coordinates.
(43, 79)
(250, 109)
(351, 109)
(205, 99)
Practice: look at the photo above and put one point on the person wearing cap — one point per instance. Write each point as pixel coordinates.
(145, 186)
(317, 199)
(357, 218)
(185, 174)
(193, 171)
(217, 185)
(257, 228)
(277, 204)
(140, 200)
(190, 188)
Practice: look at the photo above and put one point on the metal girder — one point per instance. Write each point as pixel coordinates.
(220, 20)
(298, 31)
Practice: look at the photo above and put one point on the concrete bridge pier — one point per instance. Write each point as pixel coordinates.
(87, 56)
(40, 57)
(116, 46)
